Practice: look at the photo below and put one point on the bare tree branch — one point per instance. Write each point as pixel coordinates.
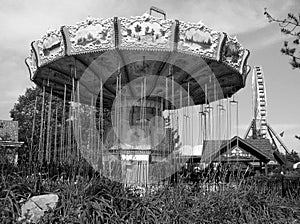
(290, 26)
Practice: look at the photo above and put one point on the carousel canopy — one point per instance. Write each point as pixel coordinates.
(194, 55)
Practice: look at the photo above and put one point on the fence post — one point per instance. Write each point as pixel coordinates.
(282, 186)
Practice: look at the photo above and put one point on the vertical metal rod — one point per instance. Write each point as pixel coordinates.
(73, 121)
(102, 121)
(62, 137)
(116, 114)
(78, 116)
(55, 138)
(48, 142)
(32, 134)
(41, 145)
(167, 110)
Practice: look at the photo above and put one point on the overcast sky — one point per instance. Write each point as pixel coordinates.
(24, 21)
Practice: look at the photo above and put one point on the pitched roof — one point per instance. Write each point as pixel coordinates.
(210, 149)
(266, 146)
(213, 149)
(261, 143)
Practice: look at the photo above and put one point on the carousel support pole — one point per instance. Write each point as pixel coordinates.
(167, 149)
(55, 139)
(120, 106)
(91, 137)
(69, 142)
(98, 137)
(48, 139)
(233, 101)
(172, 121)
(32, 134)
(77, 115)
(73, 124)
(79, 133)
(227, 126)
(41, 142)
(102, 123)
(63, 124)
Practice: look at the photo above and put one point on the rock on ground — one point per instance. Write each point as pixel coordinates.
(35, 207)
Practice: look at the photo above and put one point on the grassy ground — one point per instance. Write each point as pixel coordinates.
(101, 201)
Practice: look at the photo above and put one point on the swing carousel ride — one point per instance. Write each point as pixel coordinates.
(149, 73)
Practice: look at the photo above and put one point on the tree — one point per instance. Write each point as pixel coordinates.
(29, 111)
(290, 26)
(293, 157)
(45, 125)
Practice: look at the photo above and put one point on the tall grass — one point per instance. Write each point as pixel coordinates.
(100, 200)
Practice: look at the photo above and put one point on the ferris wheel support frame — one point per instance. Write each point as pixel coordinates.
(278, 139)
(260, 111)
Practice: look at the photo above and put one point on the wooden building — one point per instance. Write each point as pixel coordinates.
(258, 153)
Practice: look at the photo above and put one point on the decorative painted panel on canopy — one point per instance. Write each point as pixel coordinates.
(196, 38)
(89, 35)
(195, 52)
(146, 32)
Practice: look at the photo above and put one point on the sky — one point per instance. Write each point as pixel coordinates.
(21, 22)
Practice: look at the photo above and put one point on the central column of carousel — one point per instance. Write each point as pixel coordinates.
(141, 140)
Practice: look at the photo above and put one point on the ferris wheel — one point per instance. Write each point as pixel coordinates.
(259, 102)
(259, 126)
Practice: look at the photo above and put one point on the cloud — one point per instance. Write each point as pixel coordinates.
(232, 16)
(269, 40)
(286, 127)
(262, 38)
(14, 79)
(24, 21)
